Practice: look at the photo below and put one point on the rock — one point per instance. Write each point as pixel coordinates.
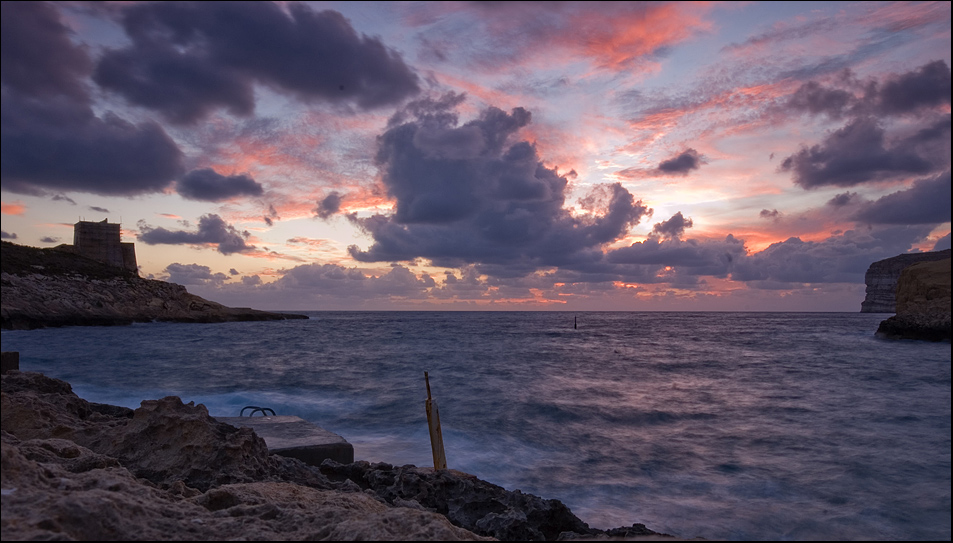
(77, 470)
(923, 304)
(882, 276)
(46, 287)
(465, 500)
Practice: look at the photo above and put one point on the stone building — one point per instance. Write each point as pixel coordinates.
(102, 241)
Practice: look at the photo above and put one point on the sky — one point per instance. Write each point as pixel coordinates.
(619, 156)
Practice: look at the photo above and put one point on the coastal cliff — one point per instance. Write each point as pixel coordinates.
(76, 470)
(923, 303)
(50, 287)
(882, 276)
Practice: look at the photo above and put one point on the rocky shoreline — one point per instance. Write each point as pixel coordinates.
(77, 470)
(48, 287)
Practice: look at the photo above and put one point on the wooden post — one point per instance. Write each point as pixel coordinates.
(436, 437)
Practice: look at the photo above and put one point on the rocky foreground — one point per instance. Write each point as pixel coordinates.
(75, 470)
(49, 287)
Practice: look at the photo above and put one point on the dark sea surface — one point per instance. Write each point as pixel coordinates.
(739, 426)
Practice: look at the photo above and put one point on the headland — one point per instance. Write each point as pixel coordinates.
(59, 287)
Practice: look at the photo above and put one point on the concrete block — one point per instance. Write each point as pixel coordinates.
(297, 438)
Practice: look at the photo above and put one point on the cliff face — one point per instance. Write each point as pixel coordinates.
(882, 277)
(46, 287)
(923, 304)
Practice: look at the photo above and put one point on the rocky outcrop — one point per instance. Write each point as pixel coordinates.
(882, 277)
(46, 287)
(923, 304)
(76, 470)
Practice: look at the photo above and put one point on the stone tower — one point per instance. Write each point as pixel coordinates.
(102, 241)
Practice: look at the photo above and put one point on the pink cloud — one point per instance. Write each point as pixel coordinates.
(15, 208)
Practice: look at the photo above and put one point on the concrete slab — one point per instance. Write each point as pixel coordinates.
(297, 438)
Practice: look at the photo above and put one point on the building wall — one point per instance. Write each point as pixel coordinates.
(102, 241)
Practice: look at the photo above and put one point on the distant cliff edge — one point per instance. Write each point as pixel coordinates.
(50, 287)
(882, 277)
(923, 303)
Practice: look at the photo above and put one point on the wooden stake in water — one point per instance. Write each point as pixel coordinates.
(436, 437)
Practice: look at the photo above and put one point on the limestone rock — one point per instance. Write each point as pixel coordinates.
(923, 304)
(77, 470)
(882, 277)
(46, 287)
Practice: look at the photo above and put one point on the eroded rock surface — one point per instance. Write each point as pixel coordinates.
(77, 470)
(923, 304)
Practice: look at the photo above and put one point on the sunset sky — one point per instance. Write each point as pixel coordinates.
(451, 155)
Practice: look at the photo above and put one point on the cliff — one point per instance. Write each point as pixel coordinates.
(75, 470)
(923, 303)
(882, 276)
(50, 287)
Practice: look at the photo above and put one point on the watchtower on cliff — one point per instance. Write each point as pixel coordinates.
(102, 241)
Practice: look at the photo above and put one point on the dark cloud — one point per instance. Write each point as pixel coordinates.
(943, 243)
(815, 99)
(38, 58)
(211, 230)
(5, 235)
(926, 202)
(209, 186)
(336, 281)
(60, 145)
(678, 166)
(770, 214)
(674, 227)
(99, 209)
(190, 58)
(694, 257)
(251, 280)
(681, 164)
(233, 271)
(473, 193)
(840, 200)
(63, 198)
(858, 153)
(193, 274)
(271, 215)
(842, 258)
(51, 138)
(49, 239)
(330, 205)
(925, 87)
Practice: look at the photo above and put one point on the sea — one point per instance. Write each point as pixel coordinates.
(724, 426)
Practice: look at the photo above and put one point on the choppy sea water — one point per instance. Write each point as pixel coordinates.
(738, 426)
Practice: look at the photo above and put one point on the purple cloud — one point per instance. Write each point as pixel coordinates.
(211, 230)
(209, 186)
(188, 59)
